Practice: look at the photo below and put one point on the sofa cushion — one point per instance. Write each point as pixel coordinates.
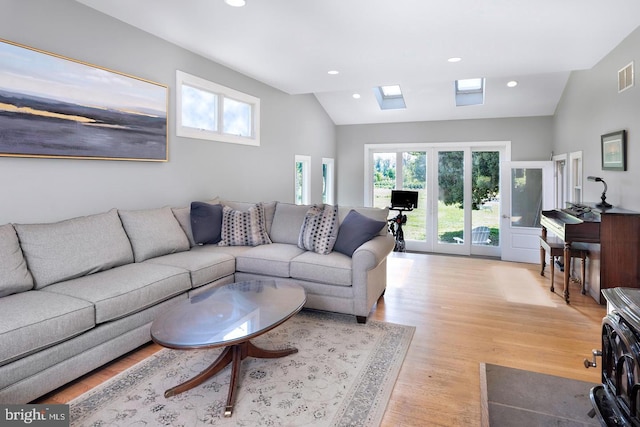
(334, 268)
(287, 223)
(269, 210)
(74, 247)
(15, 277)
(204, 267)
(183, 216)
(206, 223)
(34, 320)
(355, 230)
(319, 229)
(153, 232)
(125, 290)
(244, 228)
(271, 260)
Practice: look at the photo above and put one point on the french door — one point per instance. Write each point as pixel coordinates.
(458, 189)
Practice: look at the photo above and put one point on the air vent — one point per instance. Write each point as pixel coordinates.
(625, 78)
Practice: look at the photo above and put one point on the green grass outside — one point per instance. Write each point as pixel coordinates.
(450, 218)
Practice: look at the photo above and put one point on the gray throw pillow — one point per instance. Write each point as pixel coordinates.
(319, 229)
(206, 223)
(15, 277)
(355, 230)
(244, 228)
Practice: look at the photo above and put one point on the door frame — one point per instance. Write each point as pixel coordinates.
(431, 245)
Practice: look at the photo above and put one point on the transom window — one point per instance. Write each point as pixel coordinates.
(207, 110)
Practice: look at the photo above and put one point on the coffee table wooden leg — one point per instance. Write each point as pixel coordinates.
(233, 354)
(261, 353)
(223, 360)
(235, 372)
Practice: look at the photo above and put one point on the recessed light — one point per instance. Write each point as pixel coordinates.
(356, 96)
(512, 83)
(454, 59)
(333, 72)
(235, 3)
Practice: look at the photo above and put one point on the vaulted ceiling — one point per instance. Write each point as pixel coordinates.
(292, 44)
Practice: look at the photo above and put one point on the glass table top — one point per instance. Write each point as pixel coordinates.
(228, 314)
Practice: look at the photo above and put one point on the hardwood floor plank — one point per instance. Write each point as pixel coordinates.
(466, 311)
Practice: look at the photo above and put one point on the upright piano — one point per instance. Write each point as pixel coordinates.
(613, 236)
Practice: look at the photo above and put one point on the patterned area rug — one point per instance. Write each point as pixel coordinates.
(342, 375)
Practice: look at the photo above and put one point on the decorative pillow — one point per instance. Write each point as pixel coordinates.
(15, 277)
(319, 229)
(153, 232)
(355, 230)
(244, 228)
(206, 223)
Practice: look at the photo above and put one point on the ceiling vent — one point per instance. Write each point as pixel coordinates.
(625, 78)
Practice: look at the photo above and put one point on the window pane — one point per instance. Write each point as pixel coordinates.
(384, 178)
(199, 108)
(485, 193)
(526, 197)
(450, 196)
(237, 117)
(414, 178)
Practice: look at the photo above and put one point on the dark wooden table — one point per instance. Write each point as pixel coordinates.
(228, 316)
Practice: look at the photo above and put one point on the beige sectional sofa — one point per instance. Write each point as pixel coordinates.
(78, 293)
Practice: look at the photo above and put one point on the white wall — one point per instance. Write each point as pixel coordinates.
(530, 137)
(40, 190)
(590, 107)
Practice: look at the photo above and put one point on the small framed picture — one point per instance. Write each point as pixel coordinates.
(614, 151)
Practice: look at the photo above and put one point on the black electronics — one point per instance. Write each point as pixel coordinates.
(404, 199)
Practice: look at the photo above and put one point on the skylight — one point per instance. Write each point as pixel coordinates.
(469, 92)
(389, 97)
(391, 91)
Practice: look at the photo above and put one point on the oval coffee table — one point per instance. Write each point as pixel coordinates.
(228, 316)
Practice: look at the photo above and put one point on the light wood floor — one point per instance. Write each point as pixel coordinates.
(466, 311)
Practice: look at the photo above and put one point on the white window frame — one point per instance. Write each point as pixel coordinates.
(306, 179)
(223, 92)
(329, 189)
(575, 177)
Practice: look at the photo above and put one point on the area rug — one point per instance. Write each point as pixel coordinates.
(518, 398)
(342, 375)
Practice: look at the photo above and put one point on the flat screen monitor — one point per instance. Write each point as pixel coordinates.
(404, 199)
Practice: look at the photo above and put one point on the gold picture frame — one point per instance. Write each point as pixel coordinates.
(56, 107)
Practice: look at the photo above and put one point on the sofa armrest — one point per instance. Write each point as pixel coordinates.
(370, 254)
(369, 273)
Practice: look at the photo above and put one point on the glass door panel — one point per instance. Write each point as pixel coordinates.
(485, 194)
(384, 178)
(450, 210)
(414, 178)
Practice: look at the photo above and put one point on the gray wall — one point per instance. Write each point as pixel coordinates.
(590, 107)
(531, 139)
(40, 190)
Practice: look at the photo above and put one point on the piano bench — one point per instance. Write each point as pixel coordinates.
(555, 247)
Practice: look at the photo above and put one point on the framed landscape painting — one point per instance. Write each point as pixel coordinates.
(614, 151)
(56, 107)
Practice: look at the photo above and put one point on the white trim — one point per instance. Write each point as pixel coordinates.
(330, 181)
(575, 177)
(306, 178)
(222, 92)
